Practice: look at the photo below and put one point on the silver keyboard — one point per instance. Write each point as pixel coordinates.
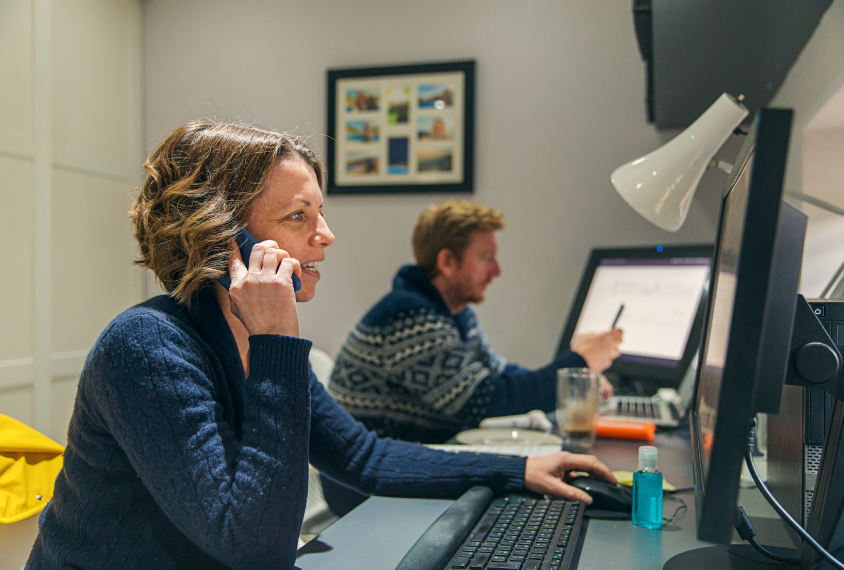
(640, 408)
(517, 450)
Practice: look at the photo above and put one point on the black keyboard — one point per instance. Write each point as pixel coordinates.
(521, 533)
(513, 532)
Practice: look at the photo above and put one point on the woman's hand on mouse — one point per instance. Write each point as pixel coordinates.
(546, 474)
(262, 295)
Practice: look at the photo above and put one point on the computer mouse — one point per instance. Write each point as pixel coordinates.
(606, 496)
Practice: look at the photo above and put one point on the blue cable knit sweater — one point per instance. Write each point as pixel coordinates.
(413, 371)
(176, 460)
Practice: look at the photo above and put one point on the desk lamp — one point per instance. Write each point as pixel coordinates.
(660, 185)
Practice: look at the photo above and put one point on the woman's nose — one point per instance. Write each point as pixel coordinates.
(323, 236)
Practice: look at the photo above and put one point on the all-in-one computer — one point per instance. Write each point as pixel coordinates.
(758, 334)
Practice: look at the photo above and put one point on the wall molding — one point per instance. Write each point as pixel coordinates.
(16, 373)
(19, 372)
(42, 204)
(64, 364)
(17, 145)
(92, 163)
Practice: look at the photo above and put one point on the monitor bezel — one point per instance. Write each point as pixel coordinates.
(669, 376)
(716, 488)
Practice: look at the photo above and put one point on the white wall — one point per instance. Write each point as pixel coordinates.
(70, 147)
(560, 90)
(813, 89)
(70, 142)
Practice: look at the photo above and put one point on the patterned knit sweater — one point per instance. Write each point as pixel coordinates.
(176, 460)
(411, 370)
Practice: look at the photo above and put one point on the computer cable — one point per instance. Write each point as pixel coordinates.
(681, 507)
(748, 459)
(747, 533)
(640, 389)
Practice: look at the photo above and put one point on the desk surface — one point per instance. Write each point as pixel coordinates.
(378, 533)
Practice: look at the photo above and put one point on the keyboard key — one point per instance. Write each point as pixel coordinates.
(532, 565)
(460, 563)
(503, 566)
(484, 528)
(480, 561)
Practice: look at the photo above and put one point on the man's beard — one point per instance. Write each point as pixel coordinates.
(471, 295)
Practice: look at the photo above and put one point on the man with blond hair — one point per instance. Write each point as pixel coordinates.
(418, 366)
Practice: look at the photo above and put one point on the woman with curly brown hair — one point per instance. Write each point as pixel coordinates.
(197, 413)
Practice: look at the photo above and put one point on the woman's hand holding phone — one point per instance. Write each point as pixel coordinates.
(262, 295)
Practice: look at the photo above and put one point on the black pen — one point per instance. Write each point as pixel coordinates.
(617, 316)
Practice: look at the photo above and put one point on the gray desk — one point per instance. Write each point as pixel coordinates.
(378, 533)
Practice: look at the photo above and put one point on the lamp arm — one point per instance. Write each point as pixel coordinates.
(835, 287)
(815, 202)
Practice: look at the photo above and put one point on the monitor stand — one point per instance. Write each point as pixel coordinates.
(634, 386)
(729, 557)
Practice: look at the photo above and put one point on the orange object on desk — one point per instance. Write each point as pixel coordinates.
(616, 429)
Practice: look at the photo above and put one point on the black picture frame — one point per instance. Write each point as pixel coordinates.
(402, 129)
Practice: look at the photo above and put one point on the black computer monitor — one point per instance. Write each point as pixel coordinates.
(661, 290)
(750, 315)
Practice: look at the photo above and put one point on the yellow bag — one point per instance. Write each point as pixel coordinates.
(29, 464)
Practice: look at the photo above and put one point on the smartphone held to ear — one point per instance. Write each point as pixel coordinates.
(245, 242)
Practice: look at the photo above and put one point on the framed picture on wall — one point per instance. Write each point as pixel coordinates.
(401, 129)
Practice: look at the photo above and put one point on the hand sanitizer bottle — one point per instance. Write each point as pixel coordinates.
(647, 490)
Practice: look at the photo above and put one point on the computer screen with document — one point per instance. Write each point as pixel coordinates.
(655, 295)
(747, 330)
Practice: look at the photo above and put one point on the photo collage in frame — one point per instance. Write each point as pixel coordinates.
(400, 132)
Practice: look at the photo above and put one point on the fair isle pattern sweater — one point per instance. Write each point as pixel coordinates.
(176, 460)
(411, 370)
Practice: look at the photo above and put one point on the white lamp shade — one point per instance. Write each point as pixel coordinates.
(660, 185)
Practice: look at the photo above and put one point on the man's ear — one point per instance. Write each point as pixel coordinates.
(447, 263)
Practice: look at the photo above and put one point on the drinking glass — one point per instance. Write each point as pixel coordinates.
(577, 405)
